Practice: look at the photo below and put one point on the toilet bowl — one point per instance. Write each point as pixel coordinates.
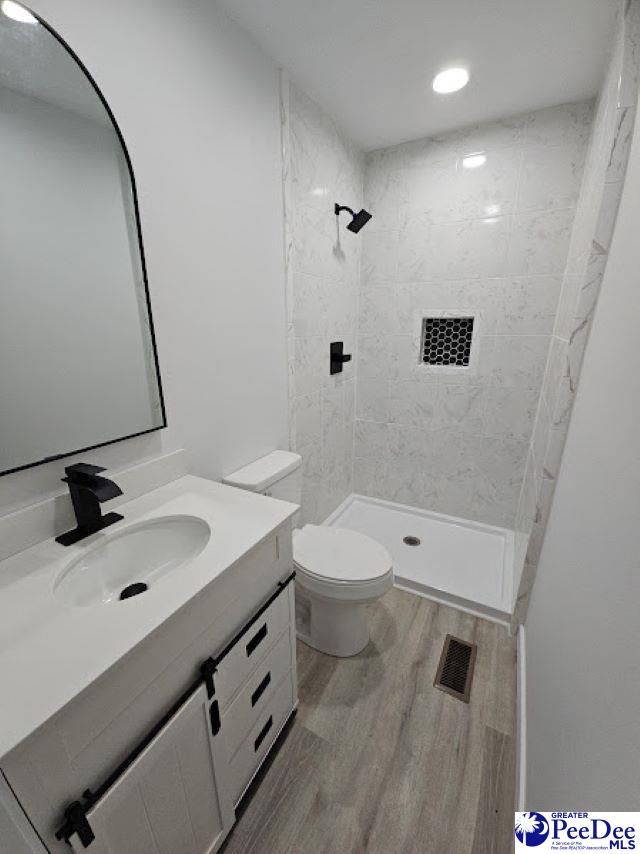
(338, 571)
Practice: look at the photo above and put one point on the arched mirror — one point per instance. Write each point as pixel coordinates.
(78, 360)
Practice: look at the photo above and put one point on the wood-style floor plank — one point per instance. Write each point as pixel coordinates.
(494, 825)
(379, 761)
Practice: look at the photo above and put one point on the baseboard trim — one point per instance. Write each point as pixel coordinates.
(521, 736)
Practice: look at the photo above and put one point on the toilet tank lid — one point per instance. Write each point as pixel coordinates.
(262, 473)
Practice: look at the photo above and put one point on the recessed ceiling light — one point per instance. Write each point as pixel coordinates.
(450, 80)
(472, 161)
(17, 12)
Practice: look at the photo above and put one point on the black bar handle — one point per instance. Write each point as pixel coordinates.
(207, 669)
(263, 733)
(214, 717)
(262, 687)
(257, 639)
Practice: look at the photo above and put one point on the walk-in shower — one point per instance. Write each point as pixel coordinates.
(465, 303)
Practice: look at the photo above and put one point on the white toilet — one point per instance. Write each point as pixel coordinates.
(337, 571)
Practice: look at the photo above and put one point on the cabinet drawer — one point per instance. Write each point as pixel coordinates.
(260, 738)
(250, 648)
(248, 705)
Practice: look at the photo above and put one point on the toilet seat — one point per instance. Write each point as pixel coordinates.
(338, 563)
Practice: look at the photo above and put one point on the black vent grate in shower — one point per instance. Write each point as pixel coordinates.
(447, 341)
(455, 670)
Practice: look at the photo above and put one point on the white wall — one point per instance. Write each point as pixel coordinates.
(198, 105)
(583, 668)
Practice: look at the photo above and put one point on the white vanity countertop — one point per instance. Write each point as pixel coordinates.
(50, 651)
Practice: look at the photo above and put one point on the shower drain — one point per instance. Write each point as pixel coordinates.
(410, 540)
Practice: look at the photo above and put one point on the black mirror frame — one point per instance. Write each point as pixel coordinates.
(143, 263)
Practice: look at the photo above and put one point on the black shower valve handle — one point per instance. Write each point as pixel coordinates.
(337, 357)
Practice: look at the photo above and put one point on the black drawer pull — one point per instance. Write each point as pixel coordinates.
(262, 687)
(257, 639)
(214, 717)
(263, 732)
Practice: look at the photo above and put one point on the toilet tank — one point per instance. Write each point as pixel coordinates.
(278, 474)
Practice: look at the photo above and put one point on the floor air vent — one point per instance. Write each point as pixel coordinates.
(455, 670)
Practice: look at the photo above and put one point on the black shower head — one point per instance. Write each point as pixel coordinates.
(358, 220)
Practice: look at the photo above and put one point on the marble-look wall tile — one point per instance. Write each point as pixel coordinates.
(518, 361)
(461, 409)
(384, 194)
(510, 411)
(625, 121)
(590, 285)
(490, 190)
(453, 250)
(523, 305)
(554, 371)
(490, 242)
(550, 177)
(429, 193)
(630, 72)
(379, 256)
(374, 356)
(528, 500)
(323, 280)
(485, 136)
(372, 400)
(376, 310)
(307, 418)
(413, 404)
(568, 297)
(607, 216)
(539, 242)
(371, 439)
(565, 124)
(553, 457)
(370, 477)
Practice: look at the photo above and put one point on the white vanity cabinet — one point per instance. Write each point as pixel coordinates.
(172, 799)
(155, 755)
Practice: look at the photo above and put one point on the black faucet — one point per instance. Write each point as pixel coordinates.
(88, 491)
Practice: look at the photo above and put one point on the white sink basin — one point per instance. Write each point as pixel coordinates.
(140, 555)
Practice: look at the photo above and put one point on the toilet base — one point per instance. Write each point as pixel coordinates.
(334, 628)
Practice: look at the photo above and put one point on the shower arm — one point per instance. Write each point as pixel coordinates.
(338, 208)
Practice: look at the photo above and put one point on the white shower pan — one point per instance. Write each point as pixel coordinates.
(465, 564)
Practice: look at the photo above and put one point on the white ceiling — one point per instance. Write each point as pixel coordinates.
(370, 63)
